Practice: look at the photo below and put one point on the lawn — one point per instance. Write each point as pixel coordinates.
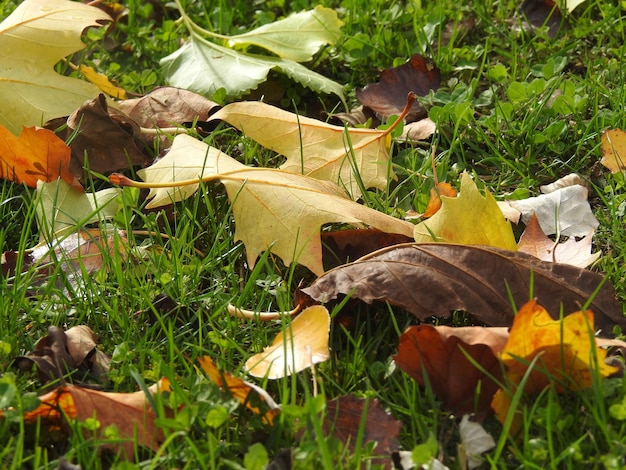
(518, 107)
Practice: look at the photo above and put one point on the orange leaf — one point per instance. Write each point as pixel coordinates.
(614, 149)
(37, 154)
(569, 353)
(434, 203)
(252, 396)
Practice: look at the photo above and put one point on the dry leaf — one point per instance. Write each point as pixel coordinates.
(568, 355)
(439, 355)
(314, 148)
(614, 150)
(436, 278)
(539, 13)
(102, 82)
(418, 130)
(575, 252)
(434, 202)
(468, 219)
(36, 155)
(474, 441)
(252, 396)
(303, 344)
(568, 180)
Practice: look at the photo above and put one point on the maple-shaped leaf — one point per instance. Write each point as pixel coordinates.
(566, 352)
(303, 344)
(439, 355)
(296, 37)
(36, 155)
(468, 219)
(130, 413)
(575, 252)
(37, 35)
(433, 279)
(315, 148)
(273, 209)
(614, 150)
(252, 396)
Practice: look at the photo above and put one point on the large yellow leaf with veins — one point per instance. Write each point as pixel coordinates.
(37, 35)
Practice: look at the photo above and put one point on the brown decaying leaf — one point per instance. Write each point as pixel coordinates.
(130, 413)
(37, 154)
(168, 107)
(62, 353)
(613, 144)
(108, 138)
(439, 355)
(343, 421)
(538, 13)
(436, 278)
(252, 396)
(575, 252)
(387, 97)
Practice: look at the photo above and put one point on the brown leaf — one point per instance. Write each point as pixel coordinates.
(61, 354)
(387, 97)
(130, 413)
(436, 278)
(538, 13)
(438, 354)
(107, 137)
(167, 107)
(37, 154)
(343, 421)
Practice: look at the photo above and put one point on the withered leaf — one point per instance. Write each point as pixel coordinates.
(343, 421)
(436, 278)
(438, 354)
(106, 137)
(387, 97)
(538, 13)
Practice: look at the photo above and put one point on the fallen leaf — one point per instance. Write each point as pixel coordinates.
(302, 344)
(565, 211)
(103, 139)
(418, 130)
(166, 107)
(569, 180)
(575, 252)
(64, 353)
(469, 219)
(474, 441)
(348, 417)
(436, 278)
(296, 37)
(539, 13)
(130, 413)
(438, 356)
(37, 35)
(102, 82)
(252, 396)
(272, 208)
(36, 155)
(387, 97)
(567, 354)
(315, 148)
(434, 202)
(614, 150)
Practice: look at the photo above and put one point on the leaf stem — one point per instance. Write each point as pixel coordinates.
(262, 316)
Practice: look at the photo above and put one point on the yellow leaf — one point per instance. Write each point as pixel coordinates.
(33, 39)
(314, 148)
(102, 82)
(272, 208)
(469, 219)
(614, 150)
(253, 397)
(302, 344)
(568, 354)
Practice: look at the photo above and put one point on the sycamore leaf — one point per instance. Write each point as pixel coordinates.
(130, 414)
(60, 207)
(204, 67)
(303, 344)
(568, 355)
(468, 219)
(252, 396)
(315, 148)
(273, 209)
(614, 150)
(296, 37)
(36, 155)
(37, 35)
(575, 252)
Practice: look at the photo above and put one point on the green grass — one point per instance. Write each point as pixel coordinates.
(495, 121)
